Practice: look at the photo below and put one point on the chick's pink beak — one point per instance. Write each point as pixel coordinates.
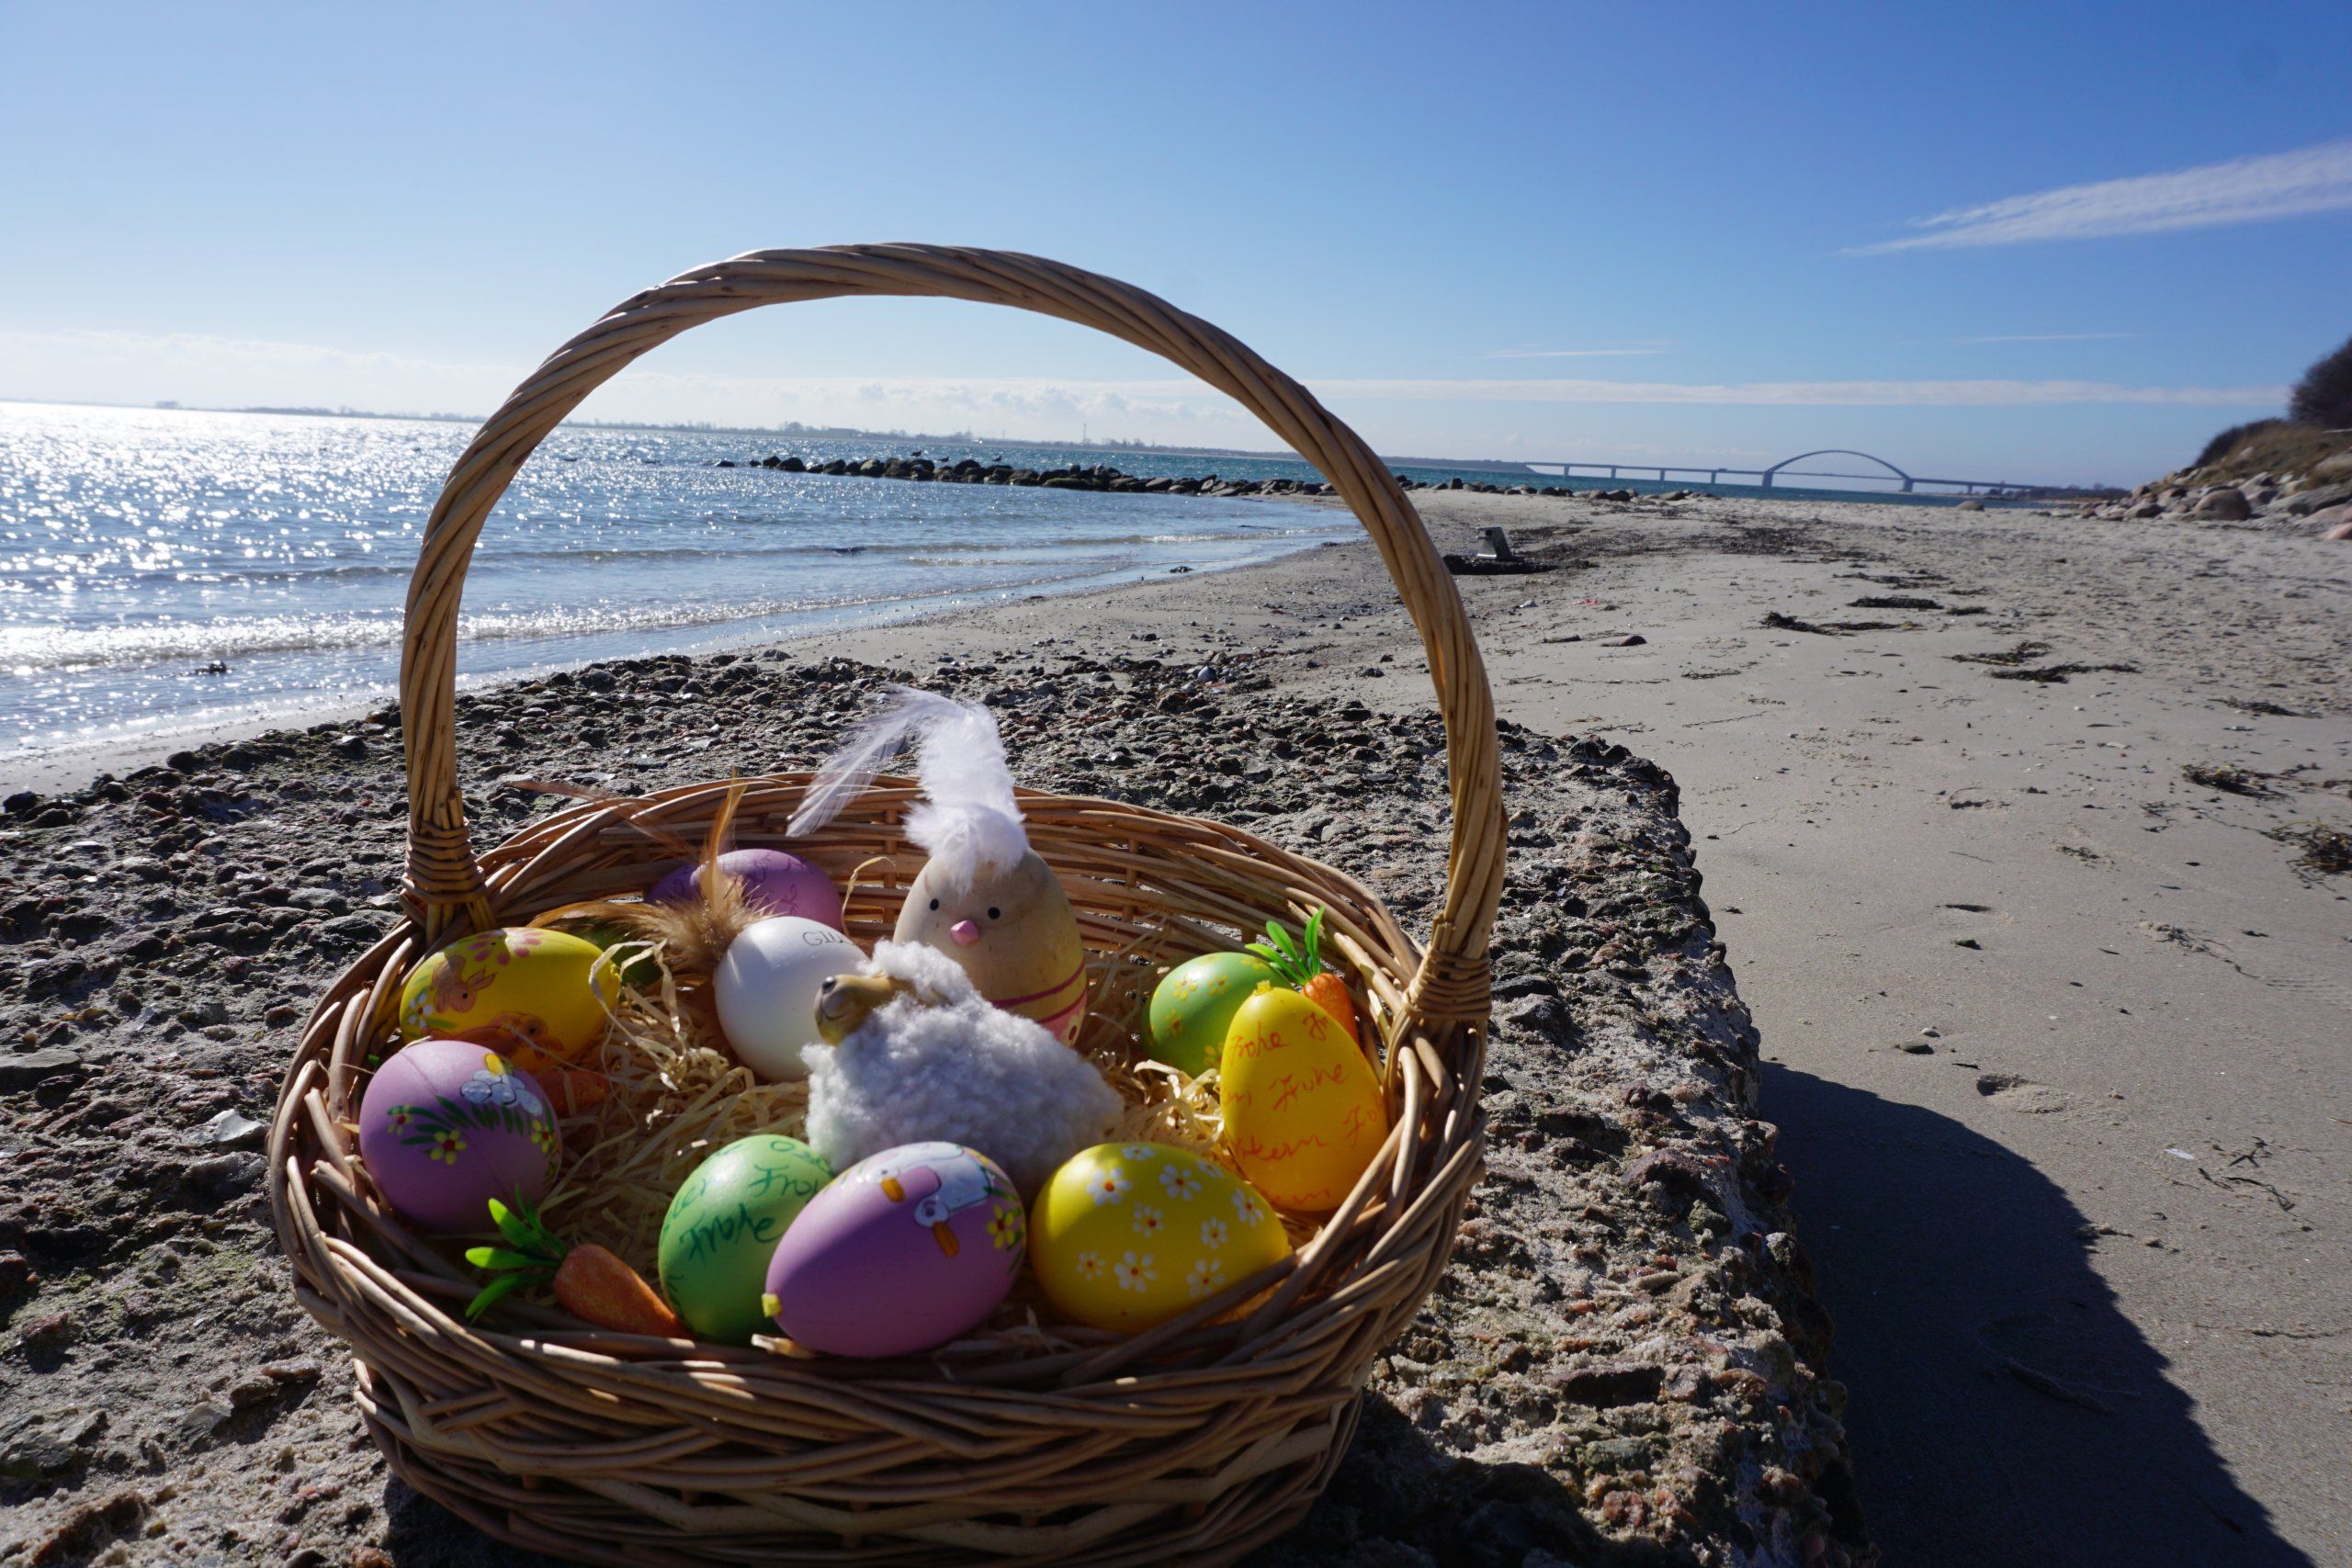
(965, 932)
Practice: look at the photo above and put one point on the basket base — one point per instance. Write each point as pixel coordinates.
(580, 1525)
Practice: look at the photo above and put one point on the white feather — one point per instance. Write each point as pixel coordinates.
(968, 821)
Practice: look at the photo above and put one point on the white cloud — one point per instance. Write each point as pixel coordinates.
(2242, 191)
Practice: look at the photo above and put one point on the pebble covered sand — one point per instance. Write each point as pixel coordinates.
(1622, 1363)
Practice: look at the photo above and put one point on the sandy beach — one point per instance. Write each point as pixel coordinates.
(2052, 1032)
(2054, 1035)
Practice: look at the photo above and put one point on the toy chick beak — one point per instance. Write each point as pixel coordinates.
(965, 932)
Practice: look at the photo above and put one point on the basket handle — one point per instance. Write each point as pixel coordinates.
(445, 881)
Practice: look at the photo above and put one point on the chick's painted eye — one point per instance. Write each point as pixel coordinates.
(935, 904)
(993, 913)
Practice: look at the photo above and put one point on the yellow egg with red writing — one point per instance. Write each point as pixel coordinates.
(1124, 1236)
(536, 995)
(1304, 1110)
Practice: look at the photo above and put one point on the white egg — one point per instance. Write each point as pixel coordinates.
(767, 990)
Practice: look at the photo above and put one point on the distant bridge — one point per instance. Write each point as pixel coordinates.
(1910, 483)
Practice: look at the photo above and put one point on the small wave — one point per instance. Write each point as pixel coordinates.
(29, 648)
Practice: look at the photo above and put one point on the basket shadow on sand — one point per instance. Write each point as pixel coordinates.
(2004, 1409)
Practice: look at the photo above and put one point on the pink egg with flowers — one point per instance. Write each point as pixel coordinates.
(905, 1251)
(773, 883)
(445, 1125)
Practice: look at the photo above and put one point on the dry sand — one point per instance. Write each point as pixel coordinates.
(2056, 1037)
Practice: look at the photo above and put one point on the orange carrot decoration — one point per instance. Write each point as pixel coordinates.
(1299, 961)
(595, 1286)
(591, 1283)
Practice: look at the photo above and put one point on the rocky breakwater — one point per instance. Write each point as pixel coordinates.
(1102, 477)
(1621, 1366)
(2317, 503)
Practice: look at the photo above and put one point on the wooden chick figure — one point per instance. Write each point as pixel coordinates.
(984, 897)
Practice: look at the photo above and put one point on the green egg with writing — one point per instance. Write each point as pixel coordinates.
(722, 1228)
(1195, 1003)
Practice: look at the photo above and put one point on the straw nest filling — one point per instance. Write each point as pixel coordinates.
(674, 1095)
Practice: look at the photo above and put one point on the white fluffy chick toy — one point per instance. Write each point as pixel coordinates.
(984, 897)
(916, 1053)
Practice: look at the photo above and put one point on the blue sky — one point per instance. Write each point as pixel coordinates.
(1664, 233)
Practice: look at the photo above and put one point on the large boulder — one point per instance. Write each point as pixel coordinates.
(2318, 499)
(2227, 504)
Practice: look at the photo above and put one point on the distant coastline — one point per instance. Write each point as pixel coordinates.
(789, 429)
(1522, 469)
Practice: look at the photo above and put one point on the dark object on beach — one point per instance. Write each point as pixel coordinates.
(2023, 653)
(2323, 397)
(2327, 850)
(1505, 561)
(1630, 639)
(2257, 704)
(1895, 602)
(1777, 622)
(1200, 1441)
(2055, 675)
(2229, 779)
(1487, 566)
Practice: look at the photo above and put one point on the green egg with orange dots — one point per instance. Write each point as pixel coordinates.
(533, 994)
(1195, 1003)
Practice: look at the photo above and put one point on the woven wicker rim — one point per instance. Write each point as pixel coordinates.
(1194, 1441)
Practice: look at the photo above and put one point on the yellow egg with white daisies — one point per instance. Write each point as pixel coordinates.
(1125, 1237)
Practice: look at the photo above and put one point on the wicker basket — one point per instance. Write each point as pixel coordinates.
(1195, 1441)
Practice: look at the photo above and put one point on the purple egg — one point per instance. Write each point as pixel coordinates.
(774, 882)
(446, 1125)
(902, 1252)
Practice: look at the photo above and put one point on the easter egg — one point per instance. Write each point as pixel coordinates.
(774, 884)
(1127, 1235)
(767, 990)
(445, 1125)
(722, 1228)
(1011, 930)
(1304, 1110)
(906, 1250)
(532, 993)
(1194, 1005)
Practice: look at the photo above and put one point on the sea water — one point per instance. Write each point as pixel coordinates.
(165, 569)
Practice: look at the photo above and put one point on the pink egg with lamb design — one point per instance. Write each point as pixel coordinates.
(902, 1253)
